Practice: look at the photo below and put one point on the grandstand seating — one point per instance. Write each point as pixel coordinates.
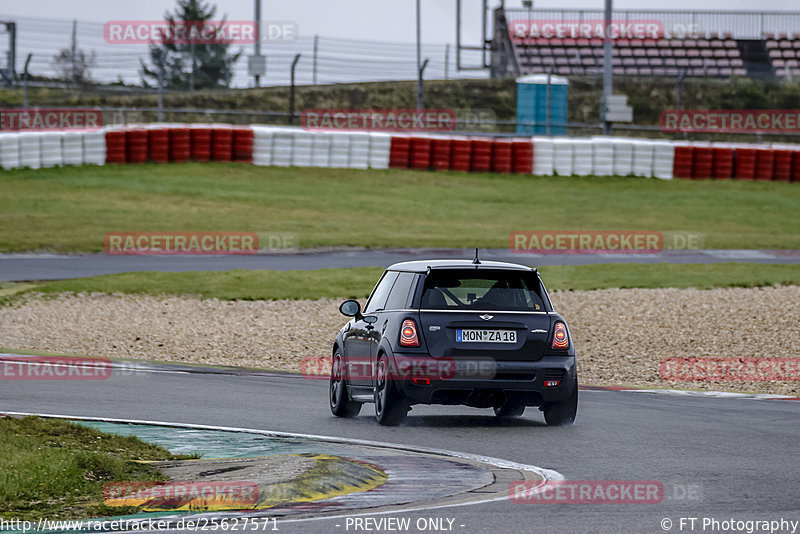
(715, 56)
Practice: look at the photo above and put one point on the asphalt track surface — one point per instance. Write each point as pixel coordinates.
(36, 266)
(736, 457)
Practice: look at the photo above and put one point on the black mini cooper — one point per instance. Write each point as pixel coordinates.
(478, 333)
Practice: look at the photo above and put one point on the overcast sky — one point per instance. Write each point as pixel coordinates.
(386, 20)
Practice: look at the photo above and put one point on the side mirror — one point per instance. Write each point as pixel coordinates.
(350, 308)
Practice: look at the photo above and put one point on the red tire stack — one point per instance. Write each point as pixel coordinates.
(723, 163)
(158, 145)
(481, 160)
(136, 145)
(243, 145)
(441, 150)
(421, 152)
(460, 154)
(783, 166)
(765, 164)
(180, 145)
(222, 143)
(703, 165)
(400, 152)
(522, 156)
(502, 155)
(683, 161)
(796, 166)
(201, 143)
(115, 146)
(745, 163)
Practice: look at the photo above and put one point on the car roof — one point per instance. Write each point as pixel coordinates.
(421, 266)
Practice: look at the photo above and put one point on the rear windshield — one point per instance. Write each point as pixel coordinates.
(482, 290)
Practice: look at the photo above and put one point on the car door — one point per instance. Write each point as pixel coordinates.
(393, 311)
(360, 339)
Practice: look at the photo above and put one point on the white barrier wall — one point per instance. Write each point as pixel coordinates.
(380, 148)
(623, 157)
(9, 151)
(643, 158)
(582, 157)
(543, 153)
(282, 141)
(72, 148)
(321, 149)
(663, 159)
(94, 147)
(301, 148)
(562, 156)
(52, 155)
(340, 150)
(30, 151)
(603, 156)
(262, 145)
(359, 150)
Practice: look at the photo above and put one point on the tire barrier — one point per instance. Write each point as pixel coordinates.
(288, 146)
(461, 154)
(158, 144)
(200, 139)
(603, 157)
(420, 152)
(72, 148)
(180, 144)
(9, 151)
(582, 157)
(543, 154)
(683, 162)
(243, 145)
(481, 157)
(522, 156)
(222, 143)
(136, 145)
(722, 167)
(745, 163)
(441, 150)
(765, 164)
(703, 165)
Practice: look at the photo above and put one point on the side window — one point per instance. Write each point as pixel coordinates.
(398, 298)
(381, 292)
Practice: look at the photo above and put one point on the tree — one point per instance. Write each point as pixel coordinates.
(213, 64)
(74, 67)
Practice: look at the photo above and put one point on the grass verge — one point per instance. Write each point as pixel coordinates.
(57, 469)
(358, 282)
(71, 208)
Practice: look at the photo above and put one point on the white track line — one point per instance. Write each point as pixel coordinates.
(547, 475)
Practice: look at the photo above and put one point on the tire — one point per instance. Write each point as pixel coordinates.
(340, 405)
(562, 413)
(390, 406)
(509, 411)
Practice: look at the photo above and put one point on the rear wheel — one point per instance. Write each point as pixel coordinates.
(509, 411)
(341, 405)
(562, 413)
(390, 406)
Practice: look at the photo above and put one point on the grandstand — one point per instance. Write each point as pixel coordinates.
(692, 43)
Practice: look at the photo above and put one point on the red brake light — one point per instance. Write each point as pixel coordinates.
(408, 334)
(560, 337)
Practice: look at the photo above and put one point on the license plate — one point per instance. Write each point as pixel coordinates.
(486, 336)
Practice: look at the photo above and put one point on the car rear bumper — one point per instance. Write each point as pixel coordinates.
(485, 383)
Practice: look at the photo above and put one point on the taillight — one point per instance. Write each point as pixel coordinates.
(408, 334)
(560, 338)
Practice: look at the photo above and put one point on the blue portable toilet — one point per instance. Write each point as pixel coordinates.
(532, 105)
